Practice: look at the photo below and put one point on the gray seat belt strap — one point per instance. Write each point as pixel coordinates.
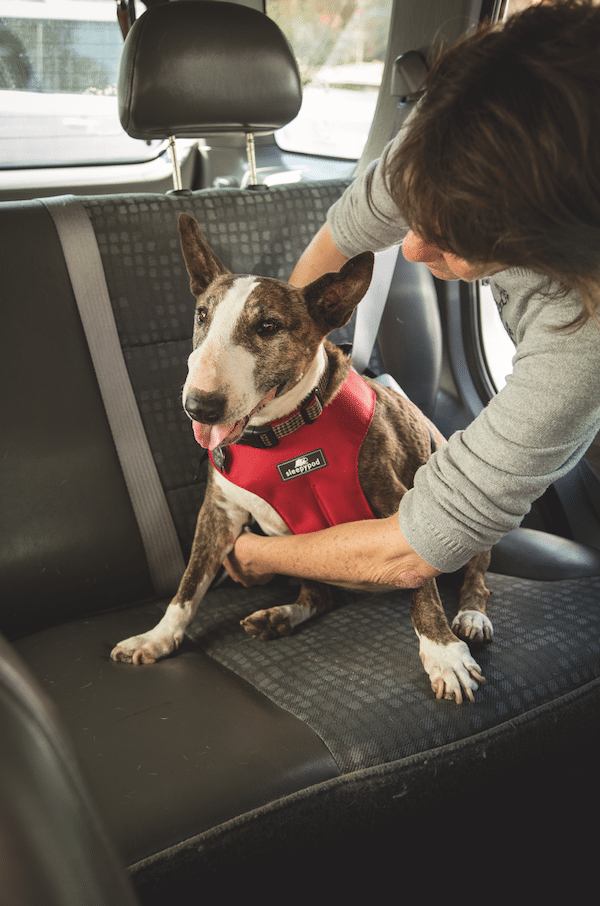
(82, 256)
(371, 306)
(408, 75)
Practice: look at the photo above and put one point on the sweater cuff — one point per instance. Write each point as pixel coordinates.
(431, 542)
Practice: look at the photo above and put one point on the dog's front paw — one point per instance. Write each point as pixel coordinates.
(144, 649)
(451, 669)
(473, 626)
(268, 624)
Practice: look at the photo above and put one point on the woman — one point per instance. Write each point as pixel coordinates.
(498, 176)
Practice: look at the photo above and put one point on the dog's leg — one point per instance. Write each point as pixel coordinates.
(471, 622)
(314, 599)
(218, 525)
(448, 662)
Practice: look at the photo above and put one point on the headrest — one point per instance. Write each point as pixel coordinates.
(192, 68)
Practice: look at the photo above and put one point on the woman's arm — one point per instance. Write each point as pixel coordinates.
(371, 555)
(321, 256)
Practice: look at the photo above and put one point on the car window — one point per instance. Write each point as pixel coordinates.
(498, 348)
(59, 63)
(340, 47)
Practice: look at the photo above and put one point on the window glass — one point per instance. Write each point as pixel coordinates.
(498, 348)
(515, 6)
(59, 63)
(340, 47)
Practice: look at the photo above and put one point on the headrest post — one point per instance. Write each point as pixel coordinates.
(251, 152)
(177, 184)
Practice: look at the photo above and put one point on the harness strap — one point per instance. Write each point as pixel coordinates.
(84, 264)
(311, 478)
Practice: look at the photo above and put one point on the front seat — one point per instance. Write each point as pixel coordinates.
(53, 848)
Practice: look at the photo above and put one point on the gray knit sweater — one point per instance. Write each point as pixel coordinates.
(481, 483)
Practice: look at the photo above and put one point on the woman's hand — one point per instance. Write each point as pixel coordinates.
(242, 566)
(371, 555)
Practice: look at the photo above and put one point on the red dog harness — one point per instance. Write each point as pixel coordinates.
(309, 476)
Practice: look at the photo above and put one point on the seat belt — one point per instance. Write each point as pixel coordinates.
(367, 321)
(369, 313)
(84, 264)
(371, 306)
(408, 74)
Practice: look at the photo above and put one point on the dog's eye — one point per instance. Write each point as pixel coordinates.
(267, 327)
(201, 314)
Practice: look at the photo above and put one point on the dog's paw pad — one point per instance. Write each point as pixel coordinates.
(473, 626)
(452, 671)
(268, 624)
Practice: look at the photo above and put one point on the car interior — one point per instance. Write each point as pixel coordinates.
(313, 764)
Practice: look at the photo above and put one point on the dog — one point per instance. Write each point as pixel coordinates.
(265, 391)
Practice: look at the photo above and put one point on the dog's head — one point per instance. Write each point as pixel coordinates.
(255, 337)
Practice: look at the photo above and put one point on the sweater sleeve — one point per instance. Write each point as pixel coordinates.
(366, 217)
(481, 483)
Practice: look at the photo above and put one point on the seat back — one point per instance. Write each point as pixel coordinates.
(69, 540)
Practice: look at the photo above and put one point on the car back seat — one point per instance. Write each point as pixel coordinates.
(235, 753)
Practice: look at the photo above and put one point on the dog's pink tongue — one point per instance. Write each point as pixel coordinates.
(210, 436)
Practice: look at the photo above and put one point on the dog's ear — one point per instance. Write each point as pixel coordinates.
(202, 264)
(332, 298)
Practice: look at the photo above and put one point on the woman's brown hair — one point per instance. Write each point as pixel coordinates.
(502, 161)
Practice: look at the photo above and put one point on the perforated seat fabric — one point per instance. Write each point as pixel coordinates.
(355, 676)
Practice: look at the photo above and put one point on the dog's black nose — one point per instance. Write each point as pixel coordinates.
(206, 408)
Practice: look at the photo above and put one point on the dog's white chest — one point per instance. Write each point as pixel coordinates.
(267, 517)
